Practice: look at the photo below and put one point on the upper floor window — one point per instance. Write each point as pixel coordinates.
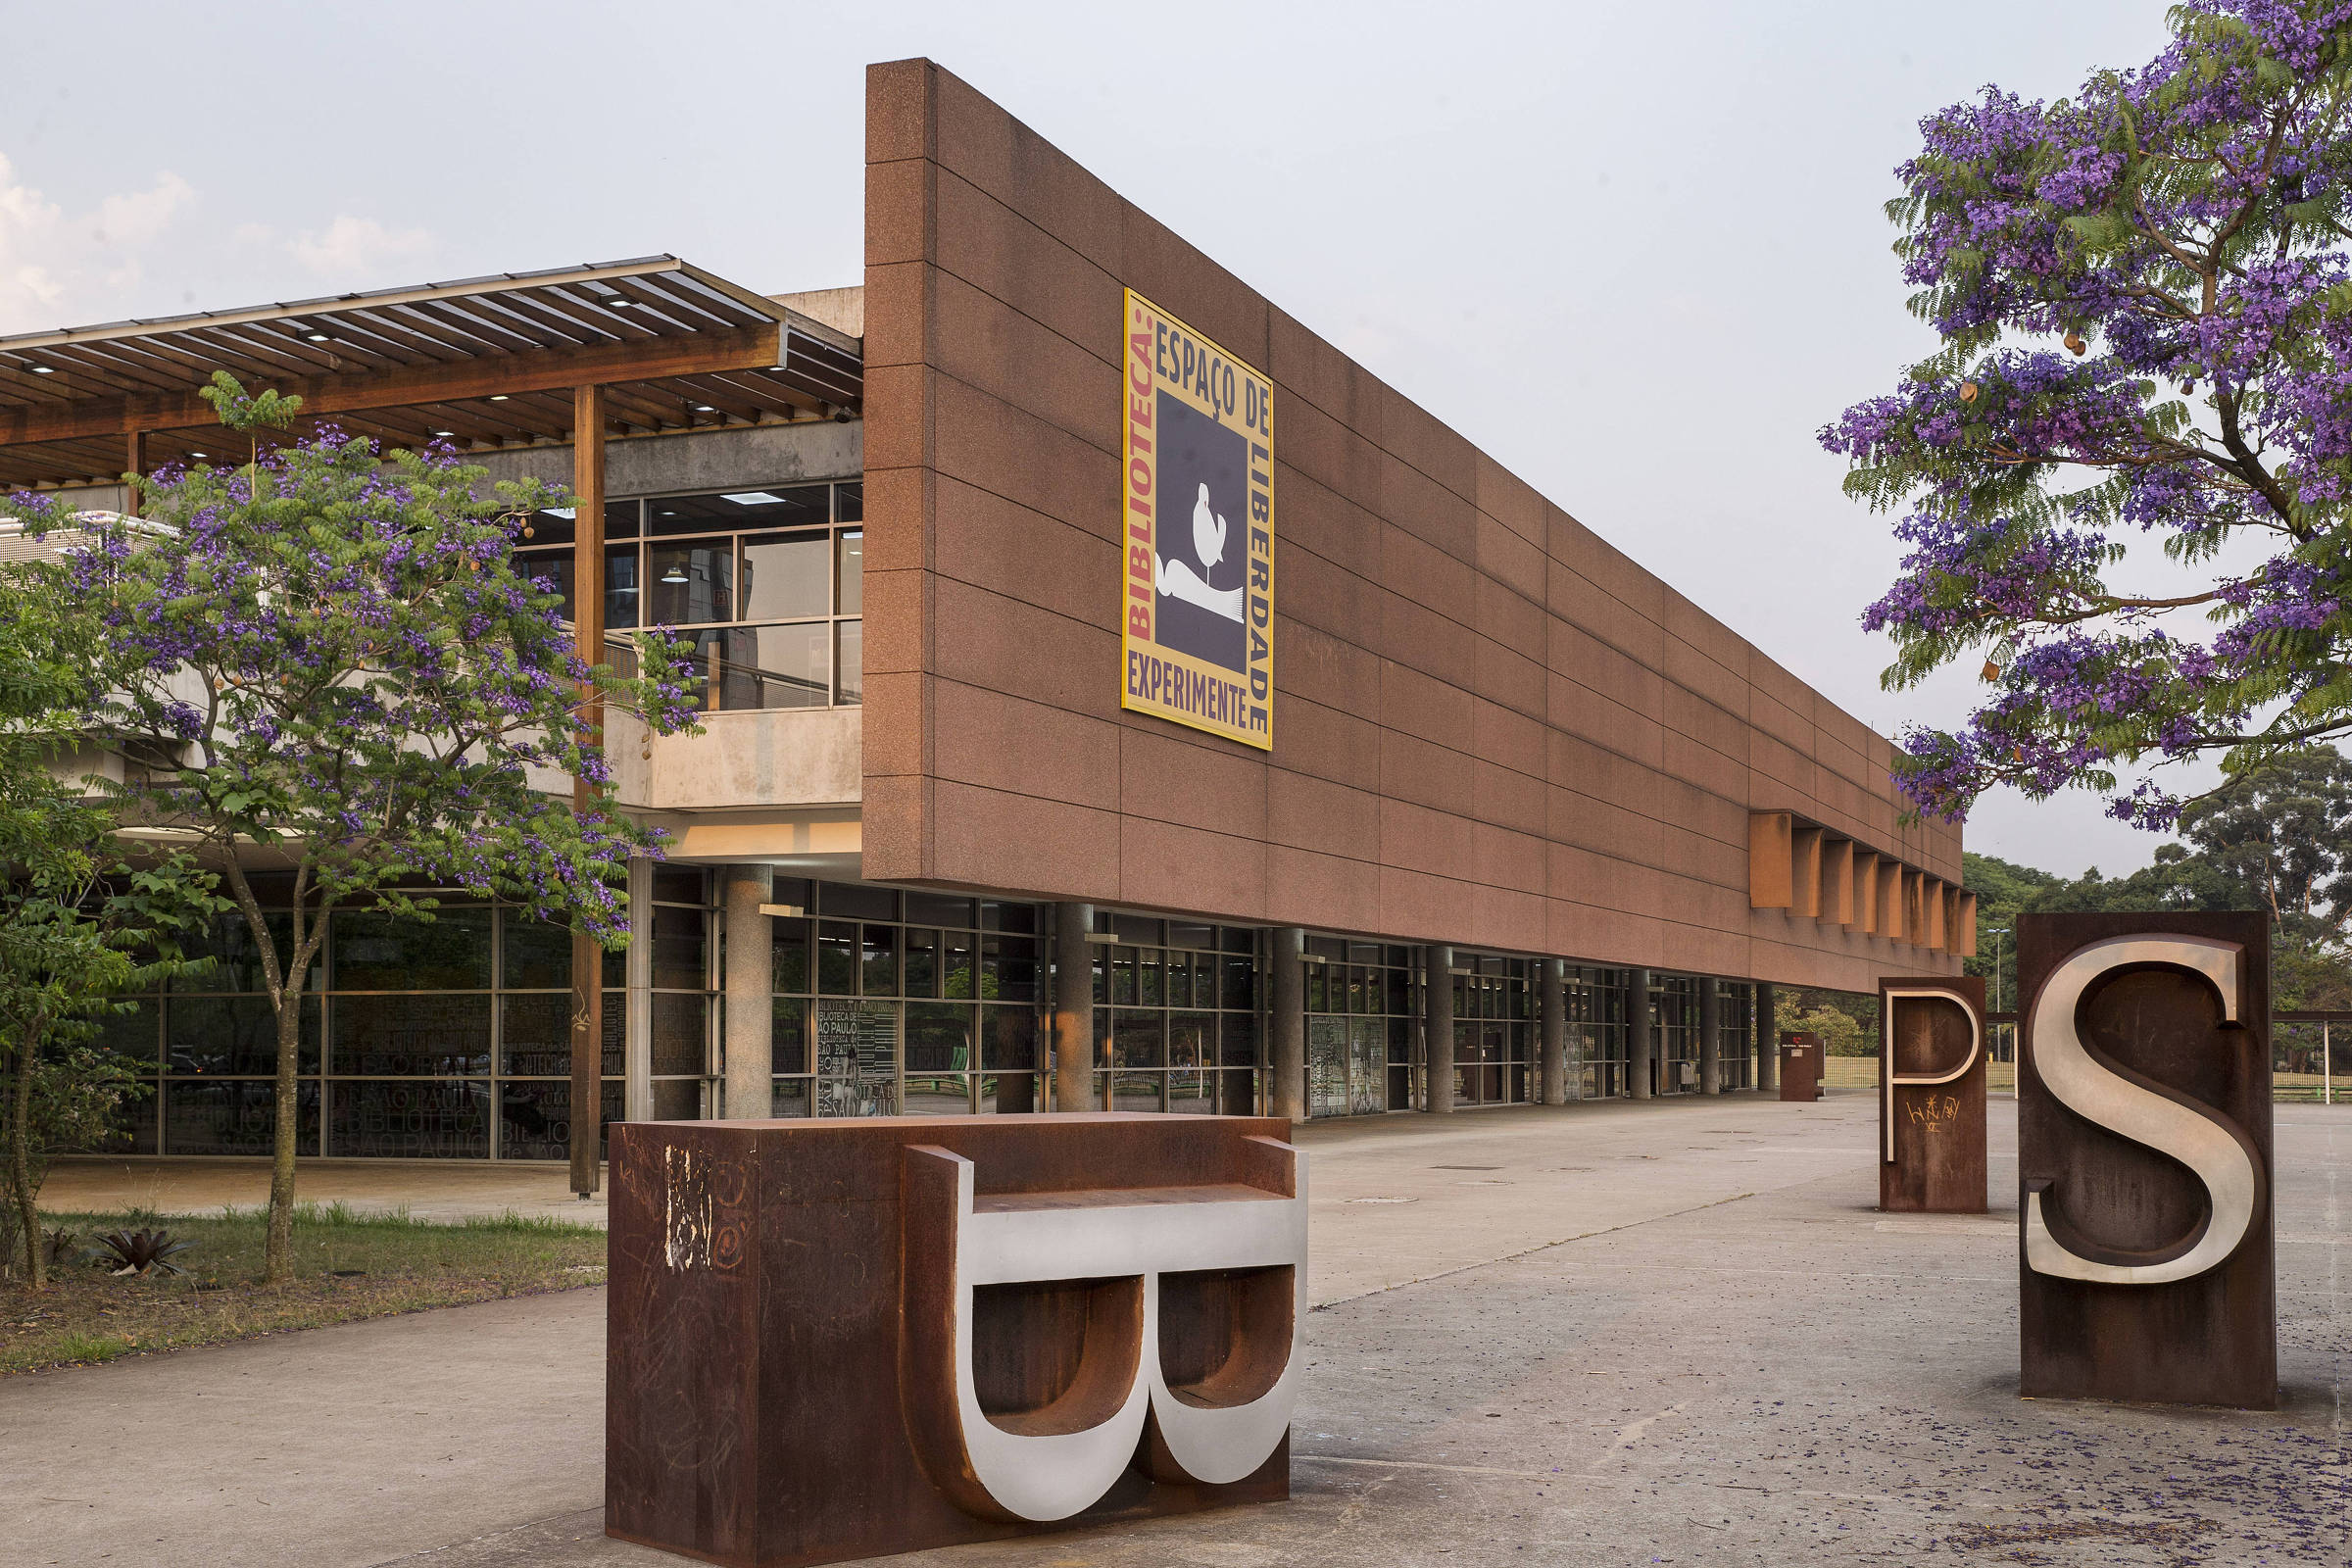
(767, 584)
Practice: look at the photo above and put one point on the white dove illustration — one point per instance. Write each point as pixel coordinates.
(1208, 531)
(1177, 578)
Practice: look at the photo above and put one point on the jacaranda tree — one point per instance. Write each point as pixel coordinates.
(328, 662)
(2145, 299)
(85, 919)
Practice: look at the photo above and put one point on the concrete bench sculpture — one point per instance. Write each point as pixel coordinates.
(845, 1339)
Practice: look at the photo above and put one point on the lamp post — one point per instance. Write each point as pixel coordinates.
(1998, 933)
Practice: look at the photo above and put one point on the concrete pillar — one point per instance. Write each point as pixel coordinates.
(750, 1050)
(1768, 1043)
(1710, 1037)
(1074, 1008)
(1640, 1040)
(1437, 1022)
(637, 1013)
(1286, 1042)
(1553, 1006)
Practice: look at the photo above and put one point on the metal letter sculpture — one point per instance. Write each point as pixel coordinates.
(843, 1339)
(1931, 1095)
(2144, 1152)
(1801, 1066)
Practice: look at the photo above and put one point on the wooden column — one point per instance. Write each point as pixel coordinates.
(1074, 1009)
(134, 467)
(588, 621)
(751, 986)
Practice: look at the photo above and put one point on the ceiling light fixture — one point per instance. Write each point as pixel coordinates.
(498, 397)
(445, 432)
(675, 576)
(703, 408)
(44, 370)
(754, 498)
(195, 454)
(317, 337)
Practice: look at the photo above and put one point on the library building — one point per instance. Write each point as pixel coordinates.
(1115, 698)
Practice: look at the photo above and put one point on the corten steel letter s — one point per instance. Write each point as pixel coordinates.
(2145, 1132)
(1931, 1095)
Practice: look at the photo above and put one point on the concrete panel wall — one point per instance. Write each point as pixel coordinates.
(1491, 728)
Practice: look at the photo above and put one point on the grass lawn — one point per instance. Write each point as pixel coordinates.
(346, 1266)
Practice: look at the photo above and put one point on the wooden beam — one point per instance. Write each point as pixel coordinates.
(588, 623)
(1836, 882)
(134, 464)
(539, 370)
(1805, 872)
(1767, 860)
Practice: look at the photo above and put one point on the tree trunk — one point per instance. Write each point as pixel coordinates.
(277, 1256)
(19, 1157)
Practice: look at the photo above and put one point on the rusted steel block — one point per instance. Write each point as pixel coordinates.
(1931, 1095)
(1801, 1066)
(2148, 1270)
(845, 1339)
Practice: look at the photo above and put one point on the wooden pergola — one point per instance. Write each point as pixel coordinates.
(576, 355)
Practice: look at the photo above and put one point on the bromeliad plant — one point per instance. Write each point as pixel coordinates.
(331, 657)
(2144, 295)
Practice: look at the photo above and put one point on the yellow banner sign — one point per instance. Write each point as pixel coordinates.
(1197, 596)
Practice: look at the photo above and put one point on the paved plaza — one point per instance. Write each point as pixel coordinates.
(1614, 1334)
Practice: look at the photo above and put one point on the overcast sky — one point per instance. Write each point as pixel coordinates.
(1635, 251)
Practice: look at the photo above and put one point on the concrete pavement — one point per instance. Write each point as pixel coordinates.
(1674, 1333)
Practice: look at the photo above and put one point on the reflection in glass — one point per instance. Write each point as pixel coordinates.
(416, 1035)
(537, 1034)
(881, 960)
(690, 584)
(680, 1029)
(227, 1118)
(837, 958)
(538, 953)
(784, 576)
(623, 594)
(233, 1036)
(679, 949)
(848, 661)
(853, 572)
(437, 1119)
(1136, 1091)
(534, 1120)
(449, 951)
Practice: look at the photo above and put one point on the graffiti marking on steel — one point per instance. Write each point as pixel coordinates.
(1891, 1080)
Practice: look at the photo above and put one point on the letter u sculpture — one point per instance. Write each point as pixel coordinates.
(845, 1339)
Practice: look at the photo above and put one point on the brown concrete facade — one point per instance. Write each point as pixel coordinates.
(1491, 728)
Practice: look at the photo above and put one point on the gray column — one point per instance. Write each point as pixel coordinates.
(637, 1015)
(750, 1049)
(1286, 1044)
(1640, 1042)
(1437, 1022)
(1074, 1008)
(1553, 1002)
(1768, 1043)
(1710, 1037)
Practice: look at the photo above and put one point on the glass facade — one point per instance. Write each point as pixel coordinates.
(1598, 1036)
(441, 1039)
(1176, 1017)
(1360, 1003)
(451, 1038)
(1494, 1030)
(905, 1004)
(768, 584)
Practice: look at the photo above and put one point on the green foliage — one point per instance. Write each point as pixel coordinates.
(81, 922)
(1846, 1022)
